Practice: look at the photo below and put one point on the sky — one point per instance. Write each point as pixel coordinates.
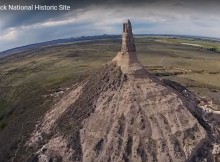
(97, 17)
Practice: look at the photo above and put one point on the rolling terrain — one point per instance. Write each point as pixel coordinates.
(32, 81)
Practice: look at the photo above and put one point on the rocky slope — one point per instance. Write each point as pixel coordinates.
(123, 113)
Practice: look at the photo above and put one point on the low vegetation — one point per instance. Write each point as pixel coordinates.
(29, 80)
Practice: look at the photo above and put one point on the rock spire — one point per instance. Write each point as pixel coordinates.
(127, 38)
(127, 58)
(125, 114)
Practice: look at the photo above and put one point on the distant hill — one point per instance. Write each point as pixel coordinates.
(89, 38)
(56, 42)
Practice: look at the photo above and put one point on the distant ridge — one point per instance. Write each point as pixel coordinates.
(56, 42)
(89, 38)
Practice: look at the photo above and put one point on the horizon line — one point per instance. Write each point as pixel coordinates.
(38, 43)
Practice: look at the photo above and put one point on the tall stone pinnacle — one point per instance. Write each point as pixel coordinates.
(127, 38)
(127, 58)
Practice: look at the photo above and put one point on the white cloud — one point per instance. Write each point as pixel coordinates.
(93, 20)
(9, 35)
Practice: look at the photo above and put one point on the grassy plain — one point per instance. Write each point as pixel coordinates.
(195, 67)
(26, 73)
(27, 77)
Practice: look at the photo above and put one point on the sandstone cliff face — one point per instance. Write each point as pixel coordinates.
(123, 113)
(127, 38)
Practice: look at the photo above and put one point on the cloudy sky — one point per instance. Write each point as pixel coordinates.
(97, 17)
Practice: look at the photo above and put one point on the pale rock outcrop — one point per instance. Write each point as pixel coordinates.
(122, 113)
(127, 38)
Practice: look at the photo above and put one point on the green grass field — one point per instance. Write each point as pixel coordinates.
(27, 73)
(27, 77)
